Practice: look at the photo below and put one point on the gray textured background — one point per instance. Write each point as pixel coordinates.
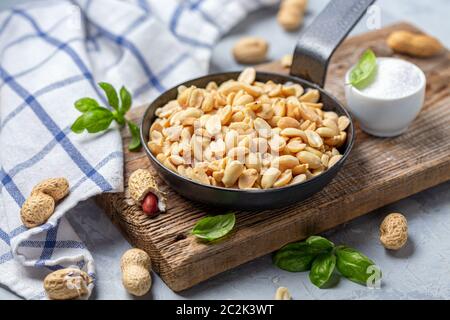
(418, 271)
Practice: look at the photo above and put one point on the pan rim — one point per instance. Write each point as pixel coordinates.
(230, 75)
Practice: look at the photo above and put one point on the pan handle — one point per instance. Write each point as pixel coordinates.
(318, 42)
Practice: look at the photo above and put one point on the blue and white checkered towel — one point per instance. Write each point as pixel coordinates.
(51, 54)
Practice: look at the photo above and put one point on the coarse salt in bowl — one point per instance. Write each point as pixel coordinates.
(388, 105)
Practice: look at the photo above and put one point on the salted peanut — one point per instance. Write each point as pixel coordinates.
(325, 159)
(176, 160)
(342, 138)
(343, 123)
(238, 153)
(181, 170)
(331, 124)
(161, 157)
(308, 114)
(231, 139)
(313, 150)
(239, 127)
(274, 121)
(333, 141)
(277, 143)
(156, 126)
(333, 160)
(213, 125)
(232, 173)
(229, 87)
(266, 111)
(263, 128)
(295, 145)
(413, 44)
(218, 175)
(269, 177)
(285, 162)
(312, 126)
(292, 132)
(299, 169)
(212, 85)
(196, 98)
(299, 179)
(284, 179)
(311, 95)
(199, 175)
(312, 160)
(225, 114)
(243, 100)
(247, 179)
(279, 108)
(208, 102)
(154, 147)
(169, 165)
(314, 139)
(184, 96)
(156, 137)
(276, 91)
(173, 133)
(230, 98)
(288, 122)
(254, 161)
(325, 132)
(247, 75)
(330, 115)
(286, 60)
(316, 106)
(335, 152)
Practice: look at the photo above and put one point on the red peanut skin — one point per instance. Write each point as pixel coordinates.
(150, 205)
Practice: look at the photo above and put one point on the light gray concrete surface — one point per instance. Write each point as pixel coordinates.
(419, 271)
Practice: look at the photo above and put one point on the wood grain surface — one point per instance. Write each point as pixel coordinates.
(378, 171)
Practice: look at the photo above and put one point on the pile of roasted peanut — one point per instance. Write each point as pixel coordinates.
(247, 134)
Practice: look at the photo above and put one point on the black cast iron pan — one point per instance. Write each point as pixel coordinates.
(311, 57)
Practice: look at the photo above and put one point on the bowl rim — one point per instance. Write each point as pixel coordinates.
(231, 75)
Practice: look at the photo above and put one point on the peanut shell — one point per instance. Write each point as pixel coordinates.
(37, 209)
(57, 188)
(140, 183)
(65, 284)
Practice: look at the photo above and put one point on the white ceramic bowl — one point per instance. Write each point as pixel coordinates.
(383, 116)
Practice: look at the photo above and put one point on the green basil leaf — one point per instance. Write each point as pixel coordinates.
(85, 104)
(125, 98)
(111, 94)
(322, 268)
(78, 125)
(295, 257)
(319, 243)
(362, 74)
(98, 119)
(135, 143)
(214, 227)
(353, 265)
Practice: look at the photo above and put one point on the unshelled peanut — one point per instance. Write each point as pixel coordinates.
(416, 45)
(135, 265)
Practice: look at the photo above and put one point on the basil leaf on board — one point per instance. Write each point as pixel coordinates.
(111, 94)
(319, 243)
(294, 257)
(322, 268)
(98, 119)
(85, 104)
(78, 125)
(214, 227)
(353, 265)
(362, 74)
(135, 143)
(125, 98)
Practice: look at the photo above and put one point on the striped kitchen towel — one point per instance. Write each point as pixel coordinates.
(51, 54)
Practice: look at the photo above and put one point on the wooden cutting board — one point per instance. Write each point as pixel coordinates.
(378, 172)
